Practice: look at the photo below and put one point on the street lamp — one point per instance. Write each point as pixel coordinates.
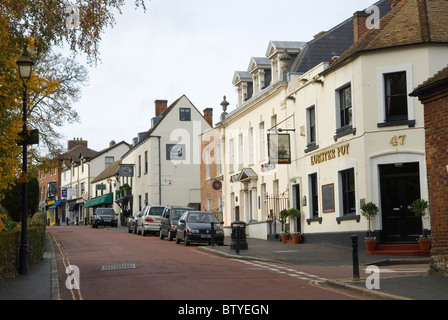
(25, 65)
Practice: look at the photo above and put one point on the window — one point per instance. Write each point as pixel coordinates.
(109, 160)
(395, 106)
(348, 191)
(184, 114)
(139, 166)
(240, 150)
(231, 155)
(262, 141)
(314, 197)
(251, 145)
(218, 160)
(345, 106)
(311, 129)
(146, 161)
(207, 164)
(396, 96)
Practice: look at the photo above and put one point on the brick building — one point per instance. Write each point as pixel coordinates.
(433, 93)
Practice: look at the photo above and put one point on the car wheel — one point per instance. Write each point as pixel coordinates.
(186, 242)
(135, 229)
(169, 235)
(177, 240)
(161, 234)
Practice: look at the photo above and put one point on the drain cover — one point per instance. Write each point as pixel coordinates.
(118, 267)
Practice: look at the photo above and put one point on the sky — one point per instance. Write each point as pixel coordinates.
(186, 47)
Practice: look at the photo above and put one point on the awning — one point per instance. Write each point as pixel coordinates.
(106, 199)
(53, 206)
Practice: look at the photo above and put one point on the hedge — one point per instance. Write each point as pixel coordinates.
(10, 246)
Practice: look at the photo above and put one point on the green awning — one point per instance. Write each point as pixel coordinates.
(106, 199)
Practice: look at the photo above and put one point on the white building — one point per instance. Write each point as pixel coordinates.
(166, 159)
(355, 135)
(77, 176)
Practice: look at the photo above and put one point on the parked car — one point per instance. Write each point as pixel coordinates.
(150, 220)
(195, 226)
(132, 224)
(170, 218)
(104, 217)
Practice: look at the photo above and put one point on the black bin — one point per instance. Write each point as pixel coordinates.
(238, 235)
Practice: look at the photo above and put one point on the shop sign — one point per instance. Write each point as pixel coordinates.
(330, 154)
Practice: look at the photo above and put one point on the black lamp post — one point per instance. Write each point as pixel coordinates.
(25, 65)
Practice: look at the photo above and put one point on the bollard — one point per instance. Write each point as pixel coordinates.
(212, 229)
(237, 247)
(355, 257)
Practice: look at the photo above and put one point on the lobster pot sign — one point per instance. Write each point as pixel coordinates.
(279, 148)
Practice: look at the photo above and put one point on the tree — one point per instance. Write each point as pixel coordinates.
(55, 84)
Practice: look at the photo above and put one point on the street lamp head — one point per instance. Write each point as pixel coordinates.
(25, 64)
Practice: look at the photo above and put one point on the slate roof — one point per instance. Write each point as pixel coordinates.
(410, 22)
(330, 44)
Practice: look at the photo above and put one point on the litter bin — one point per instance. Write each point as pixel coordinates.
(238, 236)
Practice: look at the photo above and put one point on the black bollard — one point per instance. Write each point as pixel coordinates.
(212, 229)
(355, 257)
(237, 239)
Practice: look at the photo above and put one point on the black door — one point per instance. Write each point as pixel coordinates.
(400, 186)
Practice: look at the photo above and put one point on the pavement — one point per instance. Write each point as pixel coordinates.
(42, 283)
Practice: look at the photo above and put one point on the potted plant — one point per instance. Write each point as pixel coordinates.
(294, 213)
(369, 210)
(418, 207)
(283, 217)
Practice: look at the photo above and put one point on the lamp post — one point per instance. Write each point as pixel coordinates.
(25, 65)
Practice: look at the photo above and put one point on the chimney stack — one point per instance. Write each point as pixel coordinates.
(208, 115)
(393, 3)
(76, 142)
(161, 105)
(359, 24)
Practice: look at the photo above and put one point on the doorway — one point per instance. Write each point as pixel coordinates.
(400, 186)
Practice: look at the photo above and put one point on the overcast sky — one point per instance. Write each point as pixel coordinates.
(190, 47)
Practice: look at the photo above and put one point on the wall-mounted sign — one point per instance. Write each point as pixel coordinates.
(175, 152)
(267, 166)
(328, 198)
(217, 185)
(279, 148)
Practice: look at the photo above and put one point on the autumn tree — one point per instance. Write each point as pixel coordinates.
(39, 26)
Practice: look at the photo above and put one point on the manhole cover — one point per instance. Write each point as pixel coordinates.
(118, 267)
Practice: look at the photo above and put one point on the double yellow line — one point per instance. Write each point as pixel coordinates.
(76, 293)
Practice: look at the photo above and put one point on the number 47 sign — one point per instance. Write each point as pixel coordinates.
(395, 140)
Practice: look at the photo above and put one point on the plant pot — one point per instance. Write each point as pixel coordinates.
(295, 238)
(285, 237)
(370, 244)
(425, 244)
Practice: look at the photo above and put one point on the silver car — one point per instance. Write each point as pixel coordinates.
(150, 220)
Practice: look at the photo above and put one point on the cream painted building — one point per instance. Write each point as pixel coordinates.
(355, 134)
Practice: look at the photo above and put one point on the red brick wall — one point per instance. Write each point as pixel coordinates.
(436, 124)
(209, 140)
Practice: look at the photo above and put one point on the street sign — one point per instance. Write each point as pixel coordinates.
(30, 137)
(23, 178)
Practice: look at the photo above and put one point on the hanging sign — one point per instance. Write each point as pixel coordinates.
(279, 148)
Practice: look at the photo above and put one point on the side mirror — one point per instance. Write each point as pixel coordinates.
(182, 221)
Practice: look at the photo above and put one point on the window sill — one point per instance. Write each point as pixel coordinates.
(391, 123)
(348, 217)
(344, 131)
(311, 147)
(319, 219)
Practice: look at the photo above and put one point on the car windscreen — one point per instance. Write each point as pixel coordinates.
(201, 217)
(105, 212)
(176, 213)
(156, 211)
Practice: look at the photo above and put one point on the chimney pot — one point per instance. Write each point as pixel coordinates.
(208, 115)
(161, 105)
